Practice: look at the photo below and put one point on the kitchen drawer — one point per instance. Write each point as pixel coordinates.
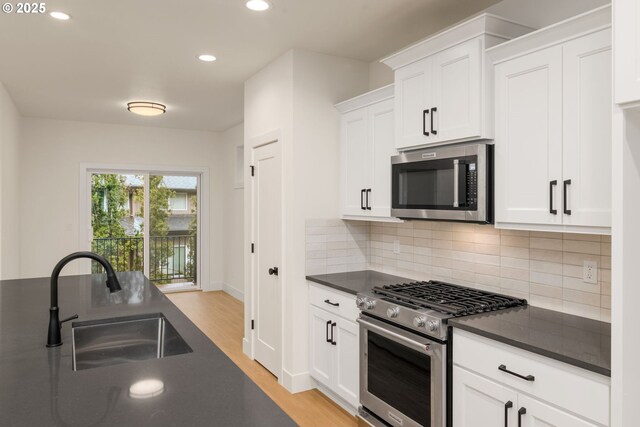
(319, 295)
(582, 392)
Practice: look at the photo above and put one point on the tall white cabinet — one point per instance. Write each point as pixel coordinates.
(553, 101)
(443, 85)
(627, 58)
(366, 147)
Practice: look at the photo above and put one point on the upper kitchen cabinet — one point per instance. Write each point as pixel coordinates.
(553, 102)
(444, 86)
(627, 57)
(366, 141)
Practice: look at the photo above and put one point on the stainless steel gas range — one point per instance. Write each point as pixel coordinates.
(403, 349)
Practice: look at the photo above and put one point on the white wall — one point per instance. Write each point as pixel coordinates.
(232, 208)
(541, 13)
(50, 158)
(9, 206)
(294, 95)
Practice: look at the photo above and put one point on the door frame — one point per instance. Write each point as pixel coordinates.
(84, 208)
(250, 268)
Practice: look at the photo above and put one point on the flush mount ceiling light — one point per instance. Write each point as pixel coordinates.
(146, 108)
(207, 58)
(60, 15)
(258, 5)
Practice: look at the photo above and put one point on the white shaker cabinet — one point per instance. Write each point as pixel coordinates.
(553, 127)
(627, 57)
(504, 385)
(366, 147)
(334, 344)
(442, 84)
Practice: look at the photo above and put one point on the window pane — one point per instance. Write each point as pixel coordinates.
(173, 222)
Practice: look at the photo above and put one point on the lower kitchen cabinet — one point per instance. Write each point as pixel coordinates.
(488, 391)
(333, 352)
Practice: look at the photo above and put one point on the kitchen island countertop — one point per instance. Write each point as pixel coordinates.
(39, 387)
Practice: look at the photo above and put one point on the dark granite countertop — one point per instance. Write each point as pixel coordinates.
(571, 339)
(38, 386)
(356, 281)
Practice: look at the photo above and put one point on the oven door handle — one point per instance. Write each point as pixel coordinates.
(418, 346)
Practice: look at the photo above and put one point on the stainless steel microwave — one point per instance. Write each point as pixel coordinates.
(453, 183)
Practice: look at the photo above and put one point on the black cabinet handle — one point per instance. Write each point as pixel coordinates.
(362, 199)
(326, 330)
(335, 304)
(521, 412)
(433, 110)
(566, 183)
(503, 368)
(551, 185)
(367, 194)
(333, 341)
(507, 406)
(273, 271)
(424, 123)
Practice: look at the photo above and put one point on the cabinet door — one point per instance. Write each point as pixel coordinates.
(347, 371)
(627, 41)
(321, 351)
(381, 148)
(412, 89)
(478, 401)
(587, 105)
(457, 92)
(539, 414)
(354, 161)
(528, 151)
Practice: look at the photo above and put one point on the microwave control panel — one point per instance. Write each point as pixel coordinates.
(472, 185)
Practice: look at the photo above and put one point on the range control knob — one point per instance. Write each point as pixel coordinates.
(419, 321)
(369, 304)
(432, 325)
(360, 302)
(393, 312)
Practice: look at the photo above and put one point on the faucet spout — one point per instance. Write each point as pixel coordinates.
(54, 338)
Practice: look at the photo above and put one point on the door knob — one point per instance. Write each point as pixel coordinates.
(273, 271)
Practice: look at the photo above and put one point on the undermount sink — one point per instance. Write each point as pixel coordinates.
(127, 339)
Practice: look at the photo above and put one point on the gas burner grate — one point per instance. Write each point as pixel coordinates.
(448, 298)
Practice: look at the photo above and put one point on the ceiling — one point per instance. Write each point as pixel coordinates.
(115, 51)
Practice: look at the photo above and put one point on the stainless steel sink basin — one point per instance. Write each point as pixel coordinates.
(118, 340)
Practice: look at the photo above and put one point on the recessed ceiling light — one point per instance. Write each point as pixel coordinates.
(60, 15)
(207, 58)
(258, 5)
(146, 108)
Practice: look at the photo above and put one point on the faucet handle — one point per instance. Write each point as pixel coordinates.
(75, 316)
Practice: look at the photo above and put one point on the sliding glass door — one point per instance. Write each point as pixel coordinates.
(147, 222)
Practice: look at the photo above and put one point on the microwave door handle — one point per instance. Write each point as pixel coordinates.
(456, 182)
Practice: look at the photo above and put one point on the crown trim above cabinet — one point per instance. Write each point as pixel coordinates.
(366, 99)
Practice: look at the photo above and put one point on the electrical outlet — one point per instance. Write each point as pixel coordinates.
(590, 272)
(396, 246)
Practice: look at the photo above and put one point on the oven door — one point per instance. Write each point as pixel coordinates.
(448, 183)
(402, 375)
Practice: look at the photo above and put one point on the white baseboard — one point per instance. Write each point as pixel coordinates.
(246, 347)
(296, 383)
(333, 396)
(239, 295)
(213, 286)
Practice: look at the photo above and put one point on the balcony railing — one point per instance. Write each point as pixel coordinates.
(172, 259)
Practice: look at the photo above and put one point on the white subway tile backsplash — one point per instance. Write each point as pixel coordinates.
(545, 268)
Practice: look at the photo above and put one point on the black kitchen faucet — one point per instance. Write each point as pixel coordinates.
(54, 338)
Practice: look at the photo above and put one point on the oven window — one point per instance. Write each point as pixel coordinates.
(429, 184)
(399, 376)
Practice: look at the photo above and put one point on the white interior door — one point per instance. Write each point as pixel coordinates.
(528, 151)
(267, 235)
(587, 99)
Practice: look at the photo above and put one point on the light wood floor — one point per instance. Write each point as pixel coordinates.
(221, 317)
